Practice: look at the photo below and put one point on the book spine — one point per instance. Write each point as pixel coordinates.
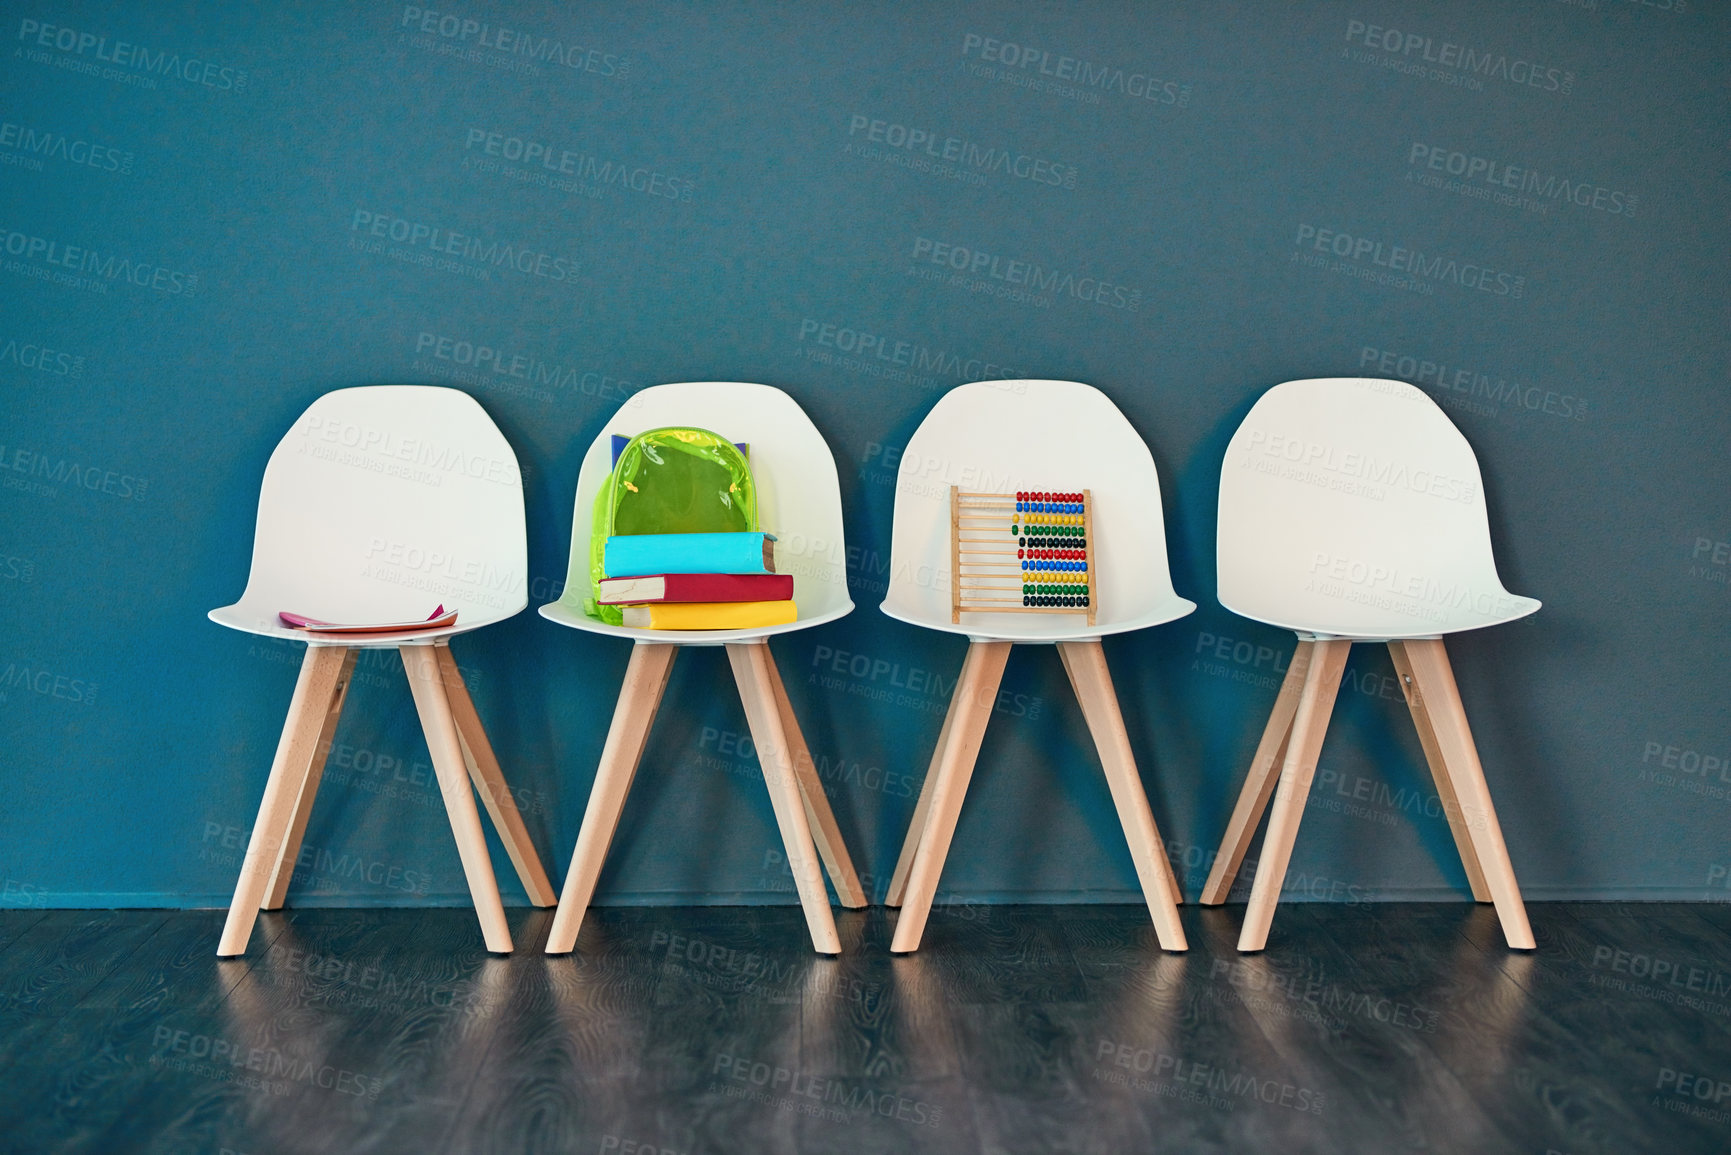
(724, 615)
(645, 555)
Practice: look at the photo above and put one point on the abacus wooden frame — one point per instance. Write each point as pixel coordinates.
(960, 605)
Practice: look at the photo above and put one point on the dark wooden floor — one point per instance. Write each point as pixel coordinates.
(1399, 1027)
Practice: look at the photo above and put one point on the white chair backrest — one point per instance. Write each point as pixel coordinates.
(1354, 507)
(383, 502)
(798, 492)
(1005, 436)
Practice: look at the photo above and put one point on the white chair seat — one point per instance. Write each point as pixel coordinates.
(564, 614)
(1038, 628)
(1352, 510)
(1006, 437)
(243, 618)
(382, 502)
(1454, 620)
(1355, 509)
(798, 500)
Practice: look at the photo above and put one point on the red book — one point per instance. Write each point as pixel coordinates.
(696, 587)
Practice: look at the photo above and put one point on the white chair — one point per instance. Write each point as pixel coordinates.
(1006, 436)
(799, 500)
(1351, 510)
(380, 503)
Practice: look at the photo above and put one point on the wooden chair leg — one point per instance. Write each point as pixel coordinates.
(639, 698)
(1427, 738)
(1092, 681)
(750, 661)
(922, 808)
(976, 692)
(1309, 725)
(291, 847)
(818, 814)
(1434, 682)
(489, 782)
(321, 671)
(428, 687)
(1259, 782)
(1164, 862)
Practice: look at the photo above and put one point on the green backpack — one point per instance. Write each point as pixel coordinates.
(671, 480)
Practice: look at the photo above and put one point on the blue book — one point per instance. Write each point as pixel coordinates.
(647, 554)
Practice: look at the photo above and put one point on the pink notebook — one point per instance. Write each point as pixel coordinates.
(440, 617)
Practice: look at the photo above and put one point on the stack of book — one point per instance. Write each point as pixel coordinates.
(696, 581)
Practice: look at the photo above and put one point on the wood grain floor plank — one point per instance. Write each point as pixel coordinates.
(85, 1066)
(1566, 1064)
(14, 921)
(1379, 1028)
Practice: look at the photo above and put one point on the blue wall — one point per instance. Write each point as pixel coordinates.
(708, 189)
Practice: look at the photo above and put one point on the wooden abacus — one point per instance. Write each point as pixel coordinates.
(1029, 552)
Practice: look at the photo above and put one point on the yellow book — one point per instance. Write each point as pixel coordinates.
(709, 615)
